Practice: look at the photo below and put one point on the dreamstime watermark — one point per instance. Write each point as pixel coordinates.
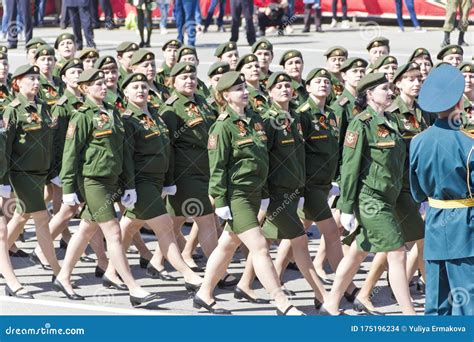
(103, 297)
(192, 207)
(458, 297)
(369, 30)
(45, 330)
(294, 196)
(11, 204)
(108, 202)
(370, 208)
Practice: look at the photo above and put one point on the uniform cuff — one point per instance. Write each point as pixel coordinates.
(220, 202)
(68, 189)
(347, 208)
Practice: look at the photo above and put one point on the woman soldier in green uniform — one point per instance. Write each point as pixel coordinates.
(29, 152)
(321, 135)
(284, 188)
(65, 44)
(189, 54)
(188, 118)
(143, 61)
(12, 287)
(170, 58)
(50, 92)
(467, 116)
(88, 56)
(239, 162)
(292, 63)
(263, 49)
(408, 118)
(93, 160)
(258, 96)
(147, 143)
(371, 180)
(387, 65)
(108, 65)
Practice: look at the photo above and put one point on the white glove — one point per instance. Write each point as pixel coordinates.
(348, 222)
(169, 191)
(264, 204)
(224, 213)
(301, 203)
(423, 207)
(335, 191)
(56, 181)
(129, 199)
(5, 191)
(71, 199)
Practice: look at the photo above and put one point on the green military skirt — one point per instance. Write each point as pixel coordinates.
(149, 202)
(244, 208)
(100, 194)
(29, 191)
(379, 229)
(191, 198)
(408, 213)
(282, 221)
(316, 207)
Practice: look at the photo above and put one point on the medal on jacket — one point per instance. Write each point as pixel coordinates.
(337, 88)
(2, 94)
(119, 105)
(259, 128)
(287, 127)
(52, 92)
(193, 110)
(257, 102)
(382, 131)
(322, 122)
(103, 119)
(242, 129)
(34, 117)
(413, 121)
(300, 129)
(316, 125)
(147, 122)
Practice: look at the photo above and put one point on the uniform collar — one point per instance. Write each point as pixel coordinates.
(348, 94)
(234, 115)
(380, 119)
(72, 99)
(24, 101)
(450, 124)
(135, 110)
(315, 108)
(184, 99)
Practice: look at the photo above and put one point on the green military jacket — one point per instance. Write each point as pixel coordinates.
(61, 114)
(122, 75)
(157, 95)
(238, 155)
(163, 75)
(94, 145)
(342, 109)
(372, 160)
(467, 115)
(188, 120)
(116, 99)
(264, 78)
(321, 134)
(286, 150)
(409, 123)
(258, 99)
(147, 143)
(300, 95)
(56, 73)
(202, 89)
(29, 131)
(5, 97)
(3, 153)
(49, 92)
(337, 87)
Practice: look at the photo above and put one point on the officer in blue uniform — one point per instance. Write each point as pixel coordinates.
(79, 14)
(13, 27)
(442, 172)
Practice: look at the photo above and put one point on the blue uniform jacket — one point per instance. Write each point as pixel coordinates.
(438, 169)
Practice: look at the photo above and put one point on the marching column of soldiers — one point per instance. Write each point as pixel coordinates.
(376, 152)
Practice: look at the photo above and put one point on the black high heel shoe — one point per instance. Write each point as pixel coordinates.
(155, 274)
(224, 282)
(35, 260)
(18, 254)
(198, 303)
(317, 304)
(62, 244)
(192, 288)
(350, 297)
(240, 294)
(73, 283)
(144, 262)
(99, 272)
(58, 287)
(106, 282)
(360, 307)
(137, 301)
(10, 293)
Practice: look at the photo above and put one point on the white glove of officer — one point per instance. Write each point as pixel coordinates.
(168, 191)
(264, 204)
(57, 181)
(348, 222)
(129, 198)
(224, 213)
(71, 199)
(301, 203)
(335, 191)
(5, 191)
(423, 207)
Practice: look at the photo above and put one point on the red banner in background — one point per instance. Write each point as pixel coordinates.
(374, 8)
